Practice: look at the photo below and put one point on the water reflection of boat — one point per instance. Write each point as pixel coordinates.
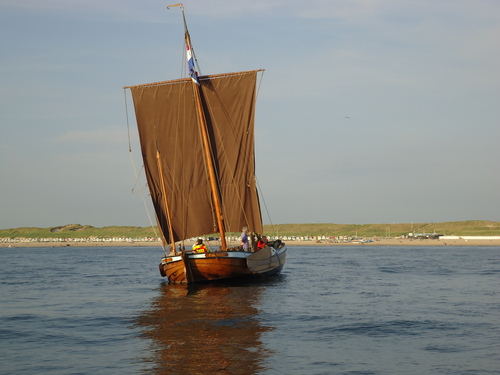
(207, 329)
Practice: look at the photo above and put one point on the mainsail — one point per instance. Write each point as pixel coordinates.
(174, 159)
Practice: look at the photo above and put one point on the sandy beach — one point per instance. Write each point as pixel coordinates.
(375, 242)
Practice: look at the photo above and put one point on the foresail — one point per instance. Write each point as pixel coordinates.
(173, 158)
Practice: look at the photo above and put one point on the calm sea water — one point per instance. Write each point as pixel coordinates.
(334, 310)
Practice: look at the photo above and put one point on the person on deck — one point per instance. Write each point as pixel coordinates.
(262, 243)
(244, 239)
(199, 247)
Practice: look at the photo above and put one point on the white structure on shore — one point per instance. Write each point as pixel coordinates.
(469, 238)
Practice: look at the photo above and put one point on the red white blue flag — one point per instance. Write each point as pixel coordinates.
(190, 61)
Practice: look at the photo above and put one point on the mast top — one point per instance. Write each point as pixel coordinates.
(191, 56)
(176, 5)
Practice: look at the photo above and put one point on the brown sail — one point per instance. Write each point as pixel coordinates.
(173, 156)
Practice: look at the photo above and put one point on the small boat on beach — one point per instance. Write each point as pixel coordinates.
(197, 142)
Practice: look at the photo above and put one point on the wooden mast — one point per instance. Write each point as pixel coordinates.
(210, 167)
(214, 186)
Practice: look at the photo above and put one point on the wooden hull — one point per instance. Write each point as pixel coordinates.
(198, 267)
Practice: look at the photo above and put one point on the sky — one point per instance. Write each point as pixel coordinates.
(369, 111)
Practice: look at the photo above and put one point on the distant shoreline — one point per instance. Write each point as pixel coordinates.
(377, 242)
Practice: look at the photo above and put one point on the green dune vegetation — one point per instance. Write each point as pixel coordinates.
(79, 231)
(457, 228)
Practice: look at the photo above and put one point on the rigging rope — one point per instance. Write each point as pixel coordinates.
(265, 205)
(126, 115)
(259, 84)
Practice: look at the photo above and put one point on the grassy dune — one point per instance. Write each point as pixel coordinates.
(459, 228)
(77, 231)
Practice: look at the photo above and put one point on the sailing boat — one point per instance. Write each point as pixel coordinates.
(197, 142)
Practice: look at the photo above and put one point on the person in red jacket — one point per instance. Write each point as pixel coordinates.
(262, 243)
